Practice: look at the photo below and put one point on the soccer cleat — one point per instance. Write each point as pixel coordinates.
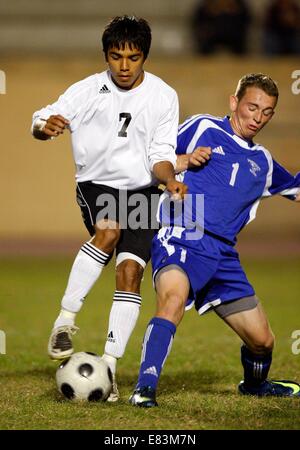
(277, 388)
(60, 342)
(114, 394)
(143, 397)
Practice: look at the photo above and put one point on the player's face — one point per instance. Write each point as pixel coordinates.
(252, 112)
(126, 66)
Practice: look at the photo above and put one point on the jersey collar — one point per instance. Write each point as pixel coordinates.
(125, 91)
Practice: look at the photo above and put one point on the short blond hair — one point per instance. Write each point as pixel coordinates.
(259, 80)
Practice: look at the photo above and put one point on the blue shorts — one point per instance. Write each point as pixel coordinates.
(212, 266)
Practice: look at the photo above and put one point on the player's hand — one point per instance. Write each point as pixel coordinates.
(177, 189)
(55, 125)
(199, 156)
(297, 199)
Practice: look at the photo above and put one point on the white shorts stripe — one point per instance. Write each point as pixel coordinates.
(90, 214)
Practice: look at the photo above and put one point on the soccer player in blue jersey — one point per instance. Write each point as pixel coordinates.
(193, 254)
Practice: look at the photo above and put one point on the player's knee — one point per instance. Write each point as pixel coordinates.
(263, 344)
(171, 307)
(106, 240)
(129, 275)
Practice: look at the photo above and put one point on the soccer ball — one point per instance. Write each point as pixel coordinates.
(84, 376)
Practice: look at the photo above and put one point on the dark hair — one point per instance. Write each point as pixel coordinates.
(129, 30)
(259, 80)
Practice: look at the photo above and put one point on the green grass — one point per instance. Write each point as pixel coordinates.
(197, 389)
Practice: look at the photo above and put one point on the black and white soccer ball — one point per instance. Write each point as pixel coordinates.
(84, 376)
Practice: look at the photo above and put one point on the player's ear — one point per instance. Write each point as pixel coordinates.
(144, 58)
(105, 55)
(233, 102)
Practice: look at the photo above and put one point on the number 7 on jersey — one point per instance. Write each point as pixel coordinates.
(127, 117)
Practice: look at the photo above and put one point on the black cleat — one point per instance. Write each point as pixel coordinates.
(60, 342)
(275, 388)
(143, 397)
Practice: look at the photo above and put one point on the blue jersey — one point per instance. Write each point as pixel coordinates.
(235, 179)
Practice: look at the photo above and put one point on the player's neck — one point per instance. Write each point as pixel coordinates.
(134, 85)
(237, 129)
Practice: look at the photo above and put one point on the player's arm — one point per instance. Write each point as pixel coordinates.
(51, 121)
(195, 159)
(48, 128)
(162, 157)
(164, 172)
(284, 183)
(291, 194)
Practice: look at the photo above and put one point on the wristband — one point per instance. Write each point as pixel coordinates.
(39, 124)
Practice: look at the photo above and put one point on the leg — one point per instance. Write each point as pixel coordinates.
(125, 308)
(85, 271)
(94, 254)
(256, 354)
(124, 312)
(245, 316)
(87, 267)
(172, 286)
(133, 253)
(254, 329)
(171, 262)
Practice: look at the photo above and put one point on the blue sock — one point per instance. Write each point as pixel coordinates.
(256, 368)
(157, 345)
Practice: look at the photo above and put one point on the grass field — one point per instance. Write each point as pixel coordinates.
(197, 390)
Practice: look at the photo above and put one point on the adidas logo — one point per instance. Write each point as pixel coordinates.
(104, 90)
(219, 150)
(151, 371)
(110, 337)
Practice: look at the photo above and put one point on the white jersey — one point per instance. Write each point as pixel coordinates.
(118, 135)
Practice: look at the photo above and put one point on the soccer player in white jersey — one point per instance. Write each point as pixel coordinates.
(123, 125)
(193, 254)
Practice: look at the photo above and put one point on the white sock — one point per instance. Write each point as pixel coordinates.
(65, 318)
(111, 361)
(85, 271)
(123, 317)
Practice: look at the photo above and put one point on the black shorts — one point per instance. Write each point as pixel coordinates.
(135, 211)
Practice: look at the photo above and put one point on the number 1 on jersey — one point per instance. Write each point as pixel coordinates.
(235, 168)
(127, 117)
